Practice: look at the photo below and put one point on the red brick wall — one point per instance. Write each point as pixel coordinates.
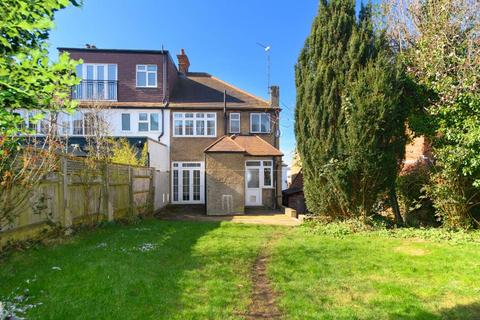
(126, 66)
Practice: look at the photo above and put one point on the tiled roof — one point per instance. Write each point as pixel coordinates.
(201, 90)
(251, 145)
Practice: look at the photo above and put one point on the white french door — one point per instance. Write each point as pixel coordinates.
(188, 182)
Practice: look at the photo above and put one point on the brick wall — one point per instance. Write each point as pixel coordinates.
(226, 183)
(126, 68)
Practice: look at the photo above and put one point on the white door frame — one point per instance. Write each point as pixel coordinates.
(253, 192)
(187, 168)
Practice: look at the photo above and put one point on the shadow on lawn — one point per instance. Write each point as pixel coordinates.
(460, 312)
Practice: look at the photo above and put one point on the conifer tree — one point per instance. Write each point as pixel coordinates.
(350, 114)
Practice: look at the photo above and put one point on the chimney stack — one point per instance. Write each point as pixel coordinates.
(275, 96)
(183, 62)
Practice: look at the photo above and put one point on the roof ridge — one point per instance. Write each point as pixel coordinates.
(233, 140)
(238, 89)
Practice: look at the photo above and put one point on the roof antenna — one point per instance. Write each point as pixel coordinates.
(267, 53)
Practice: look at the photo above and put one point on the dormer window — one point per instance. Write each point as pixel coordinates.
(146, 76)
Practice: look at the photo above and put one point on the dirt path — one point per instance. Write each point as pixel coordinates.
(263, 304)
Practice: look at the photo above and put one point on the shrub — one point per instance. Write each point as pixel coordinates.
(413, 200)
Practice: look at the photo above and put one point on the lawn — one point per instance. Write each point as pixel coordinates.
(154, 270)
(375, 277)
(191, 270)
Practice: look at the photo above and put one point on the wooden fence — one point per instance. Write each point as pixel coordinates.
(78, 194)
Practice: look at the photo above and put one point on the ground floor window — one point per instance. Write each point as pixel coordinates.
(188, 182)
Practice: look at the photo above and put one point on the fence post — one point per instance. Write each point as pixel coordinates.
(67, 217)
(130, 189)
(108, 205)
(153, 180)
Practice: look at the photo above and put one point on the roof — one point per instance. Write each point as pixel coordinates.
(250, 145)
(114, 50)
(199, 89)
(297, 184)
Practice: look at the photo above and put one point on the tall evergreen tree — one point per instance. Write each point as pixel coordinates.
(350, 114)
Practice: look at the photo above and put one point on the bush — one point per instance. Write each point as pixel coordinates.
(413, 200)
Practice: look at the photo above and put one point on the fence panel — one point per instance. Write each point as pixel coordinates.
(79, 195)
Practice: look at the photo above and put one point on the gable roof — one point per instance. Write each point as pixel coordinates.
(250, 145)
(199, 89)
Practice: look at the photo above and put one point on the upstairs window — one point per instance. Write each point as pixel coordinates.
(194, 124)
(143, 122)
(125, 121)
(234, 122)
(146, 76)
(148, 122)
(260, 123)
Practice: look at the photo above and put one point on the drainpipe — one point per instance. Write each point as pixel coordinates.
(225, 112)
(165, 98)
(205, 181)
(275, 174)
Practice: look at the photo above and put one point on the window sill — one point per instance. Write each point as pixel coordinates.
(152, 87)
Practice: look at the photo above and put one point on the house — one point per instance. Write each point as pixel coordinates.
(219, 143)
(224, 145)
(293, 196)
(129, 90)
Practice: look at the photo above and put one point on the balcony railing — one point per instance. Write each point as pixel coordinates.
(96, 90)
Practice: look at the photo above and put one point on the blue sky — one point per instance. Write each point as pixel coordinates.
(220, 37)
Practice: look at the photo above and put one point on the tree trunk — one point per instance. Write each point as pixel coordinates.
(395, 207)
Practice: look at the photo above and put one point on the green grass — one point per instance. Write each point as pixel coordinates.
(191, 270)
(375, 277)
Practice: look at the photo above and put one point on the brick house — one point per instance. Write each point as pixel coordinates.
(218, 142)
(224, 145)
(131, 88)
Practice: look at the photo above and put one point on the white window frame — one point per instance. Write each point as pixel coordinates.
(262, 165)
(106, 80)
(180, 116)
(143, 122)
(130, 121)
(147, 85)
(187, 166)
(259, 115)
(239, 122)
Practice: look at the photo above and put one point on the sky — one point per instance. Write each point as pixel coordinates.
(220, 37)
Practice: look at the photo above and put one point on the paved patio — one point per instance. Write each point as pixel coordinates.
(253, 216)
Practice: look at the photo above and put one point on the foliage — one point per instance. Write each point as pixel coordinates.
(438, 42)
(415, 204)
(124, 153)
(29, 81)
(351, 111)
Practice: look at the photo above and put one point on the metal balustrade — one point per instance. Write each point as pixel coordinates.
(96, 90)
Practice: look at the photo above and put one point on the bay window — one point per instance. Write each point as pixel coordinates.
(260, 123)
(194, 124)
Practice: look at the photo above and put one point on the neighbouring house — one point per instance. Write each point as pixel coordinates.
(293, 196)
(418, 151)
(128, 90)
(224, 145)
(220, 144)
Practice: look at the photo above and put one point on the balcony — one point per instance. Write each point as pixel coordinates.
(96, 90)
